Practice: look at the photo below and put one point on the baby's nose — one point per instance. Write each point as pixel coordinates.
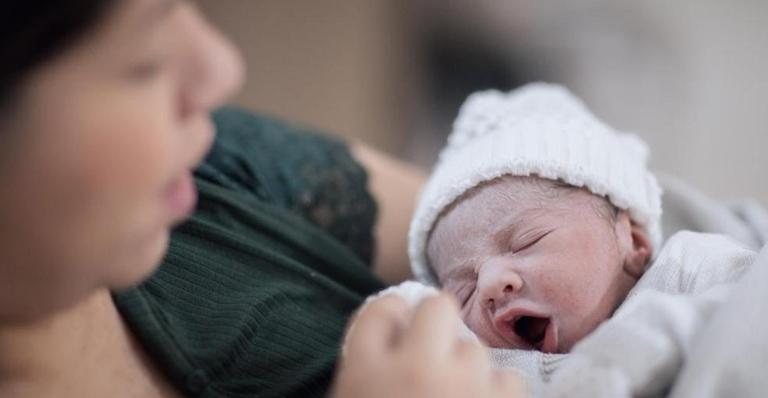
(497, 282)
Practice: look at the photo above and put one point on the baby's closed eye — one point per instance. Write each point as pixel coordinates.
(461, 285)
(465, 292)
(527, 240)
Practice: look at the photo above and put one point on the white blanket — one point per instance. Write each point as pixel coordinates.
(692, 326)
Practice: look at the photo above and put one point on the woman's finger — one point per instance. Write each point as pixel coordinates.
(376, 327)
(435, 326)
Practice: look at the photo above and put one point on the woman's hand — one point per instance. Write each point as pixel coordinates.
(393, 353)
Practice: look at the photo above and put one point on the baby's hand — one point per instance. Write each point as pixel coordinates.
(414, 293)
(394, 350)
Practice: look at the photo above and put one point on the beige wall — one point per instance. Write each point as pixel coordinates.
(689, 76)
(338, 65)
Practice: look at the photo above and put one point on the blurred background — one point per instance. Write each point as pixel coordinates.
(687, 75)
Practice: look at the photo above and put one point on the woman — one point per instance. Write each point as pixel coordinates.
(105, 114)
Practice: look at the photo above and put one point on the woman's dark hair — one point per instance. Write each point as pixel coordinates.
(34, 31)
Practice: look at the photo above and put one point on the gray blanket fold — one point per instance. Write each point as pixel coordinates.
(730, 355)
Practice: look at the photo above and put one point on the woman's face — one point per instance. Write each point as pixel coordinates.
(97, 153)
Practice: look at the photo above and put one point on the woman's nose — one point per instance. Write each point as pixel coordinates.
(497, 282)
(214, 70)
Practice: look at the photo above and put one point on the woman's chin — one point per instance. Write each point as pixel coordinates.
(143, 264)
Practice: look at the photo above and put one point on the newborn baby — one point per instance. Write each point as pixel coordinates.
(538, 218)
(536, 264)
(545, 225)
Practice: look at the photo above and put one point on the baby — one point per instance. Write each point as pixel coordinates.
(536, 264)
(545, 225)
(538, 218)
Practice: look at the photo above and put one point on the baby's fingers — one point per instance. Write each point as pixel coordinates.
(377, 327)
(435, 327)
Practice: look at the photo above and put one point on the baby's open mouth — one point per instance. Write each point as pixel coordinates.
(526, 329)
(531, 328)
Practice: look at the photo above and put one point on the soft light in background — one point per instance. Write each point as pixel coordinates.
(688, 76)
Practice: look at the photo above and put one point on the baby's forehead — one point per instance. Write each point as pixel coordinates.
(507, 194)
(498, 205)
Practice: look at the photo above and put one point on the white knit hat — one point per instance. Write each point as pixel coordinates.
(543, 130)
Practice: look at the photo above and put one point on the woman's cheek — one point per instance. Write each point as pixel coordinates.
(136, 149)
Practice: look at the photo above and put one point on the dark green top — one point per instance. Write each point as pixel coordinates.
(256, 289)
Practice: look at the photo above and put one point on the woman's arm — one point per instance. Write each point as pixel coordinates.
(395, 184)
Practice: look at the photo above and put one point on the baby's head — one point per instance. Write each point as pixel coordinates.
(536, 264)
(538, 218)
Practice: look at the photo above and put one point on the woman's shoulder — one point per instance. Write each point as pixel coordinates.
(254, 308)
(253, 295)
(310, 173)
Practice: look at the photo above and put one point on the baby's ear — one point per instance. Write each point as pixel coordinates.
(636, 245)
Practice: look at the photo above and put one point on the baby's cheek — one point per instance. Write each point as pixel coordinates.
(472, 328)
(557, 283)
(466, 333)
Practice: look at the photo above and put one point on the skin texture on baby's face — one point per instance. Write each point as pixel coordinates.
(535, 265)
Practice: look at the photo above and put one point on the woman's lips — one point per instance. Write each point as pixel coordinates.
(181, 196)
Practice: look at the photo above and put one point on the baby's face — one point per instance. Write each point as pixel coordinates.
(534, 266)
